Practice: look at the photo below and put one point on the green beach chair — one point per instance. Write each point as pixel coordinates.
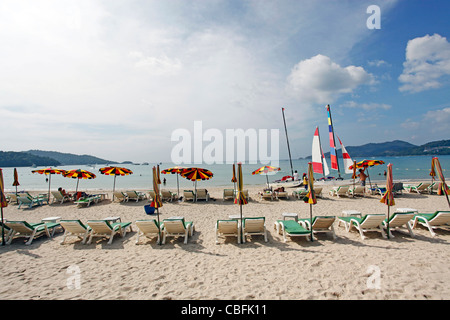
(178, 228)
(291, 228)
(75, 228)
(149, 228)
(102, 228)
(438, 219)
(320, 224)
(228, 228)
(370, 222)
(30, 230)
(254, 226)
(399, 219)
(28, 202)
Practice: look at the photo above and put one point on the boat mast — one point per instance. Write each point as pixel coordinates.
(333, 154)
(289, 150)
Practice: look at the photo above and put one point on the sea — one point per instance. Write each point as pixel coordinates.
(409, 168)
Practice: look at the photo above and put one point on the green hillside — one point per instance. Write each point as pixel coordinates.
(24, 159)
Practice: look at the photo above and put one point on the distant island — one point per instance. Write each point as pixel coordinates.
(46, 158)
(396, 148)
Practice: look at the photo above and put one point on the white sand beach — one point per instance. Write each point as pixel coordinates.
(345, 268)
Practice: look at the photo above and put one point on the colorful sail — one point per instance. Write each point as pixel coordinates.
(317, 153)
(333, 155)
(325, 165)
(347, 160)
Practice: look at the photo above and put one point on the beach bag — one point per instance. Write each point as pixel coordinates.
(149, 209)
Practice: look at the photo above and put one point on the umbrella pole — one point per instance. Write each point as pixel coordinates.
(310, 219)
(178, 187)
(242, 240)
(3, 227)
(17, 200)
(388, 222)
(159, 227)
(49, 182)
(267, 178)
(114, 186)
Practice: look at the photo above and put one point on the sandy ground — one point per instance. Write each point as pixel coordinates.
(345, 268)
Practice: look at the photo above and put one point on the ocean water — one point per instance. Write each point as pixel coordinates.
(404, 169)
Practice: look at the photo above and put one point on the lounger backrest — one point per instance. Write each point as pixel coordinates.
(148, 226)
(74, 226)
(132, 194)
(318, 189)
(228, 192)
(119, 194)
(57, 195)
(227, 226)
(342, 189)
(100, 226)
(372, 220)
(174, 225)
(254, 224)
(21, 226)
(441, 218)
(24, 199)
(323, 222)
(201, 192)
(399, 219)
(188, 194)
(423, 186)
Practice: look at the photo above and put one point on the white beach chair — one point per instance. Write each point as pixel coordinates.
(149, 228)
(102, 228)
(438, 219)
(75, 228)
(370, 222)
(228, 228)
(178, 228)
(254, 226)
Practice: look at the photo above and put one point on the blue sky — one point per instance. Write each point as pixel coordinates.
(116, 78)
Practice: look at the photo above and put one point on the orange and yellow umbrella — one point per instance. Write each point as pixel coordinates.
(266, 170)
(174, 170)
(49, 172)
(310, 196)
(79, 174)
(196, 174)
(115, 171)
(157, 202)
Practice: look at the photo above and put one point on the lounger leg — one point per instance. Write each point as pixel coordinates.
(11, 237)
(383, 234)
(137, 238)
(265, 234)
(433, 234)
(164, 238)
(85, 237)
(411, 233)
(30, 240)
(64, 237)
(186, 235)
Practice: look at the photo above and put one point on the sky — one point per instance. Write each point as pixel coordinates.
(116, 79)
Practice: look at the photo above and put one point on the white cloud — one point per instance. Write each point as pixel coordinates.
(320, 80)
(427, 61)
(366, 106)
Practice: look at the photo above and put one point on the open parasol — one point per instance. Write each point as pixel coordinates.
(196, 174)
(266, 170)
(174, 170)
(49, 171)
(366, 164)
(79, 174)
(115, 171)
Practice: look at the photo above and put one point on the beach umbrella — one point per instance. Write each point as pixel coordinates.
(388, 198)
(310, 196)
(49, 172)
(3, 204)
(174, 170)
(234, 180)
(196, 174)
(443, 187)
(157, 202)
(79, 174)
(16, 181)
(240, 198)
(266, 170)
(115, 171)
(366, 164)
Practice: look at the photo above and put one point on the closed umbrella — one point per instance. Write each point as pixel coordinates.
(16, 181)
(157, 202)
(174, 170)
(3, 204)
(240, 197)
(79, 174)
(443, 187)
(266, 170)
(234, 180)
(310, 196)
(49, 172)
(196, 174)
(115, 171)
(388, 198)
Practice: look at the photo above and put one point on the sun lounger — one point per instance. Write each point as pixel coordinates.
(87, 201)
(228, 194)
(202, 194)
(300, 193)
(120, 196)
(340, 191)
(254, 226)
(189, 195)
(357, 191)
(318, 192)
(420, 188)
(28, 202)
(291, 228)
(42, 197)
(102, 228)
(149, 228)
(177, 228)
(136, 195)
(397, 188)
(75, 228)
(228, 228)
(30, 230)
(438, 219)
(58, 197)
(267, 195)
(281, 195)
(167, 195)
(369, 222)
(13, 199)
(400, 219)
(320, 224)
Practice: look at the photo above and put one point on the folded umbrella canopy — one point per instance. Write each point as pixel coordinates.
(157, 202)
(240, 197)
(388, 198)
(49, 171)
(16, 181)
(266, 170)
(310, 196)
(79, 174)
(115, 171)
(3, 203)
(443, 187)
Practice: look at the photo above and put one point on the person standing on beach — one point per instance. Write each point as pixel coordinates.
(362, 177)
(296, 175)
